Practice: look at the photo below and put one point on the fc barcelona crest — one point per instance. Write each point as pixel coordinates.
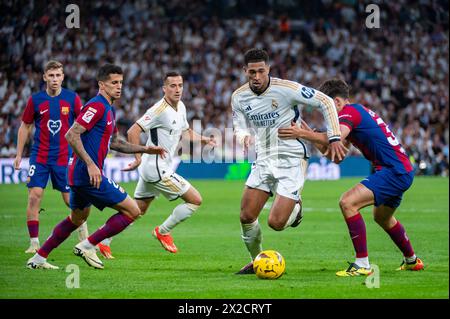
(274, 104)
(65, 110)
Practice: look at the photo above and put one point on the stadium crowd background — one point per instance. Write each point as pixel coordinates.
(400, 70)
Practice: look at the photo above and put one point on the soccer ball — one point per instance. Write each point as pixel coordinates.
(269, 264)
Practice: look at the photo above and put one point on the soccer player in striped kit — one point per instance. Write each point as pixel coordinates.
(91, 136)
(384, 189)
(52, 112)
(263, 105)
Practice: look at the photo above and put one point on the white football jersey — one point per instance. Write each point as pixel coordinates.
(164, 125)
(262, 115)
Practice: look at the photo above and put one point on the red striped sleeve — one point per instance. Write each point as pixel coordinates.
(28, 113)
(90, 115)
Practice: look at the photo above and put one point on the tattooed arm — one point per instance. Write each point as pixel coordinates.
(119, 144)
(73, 137)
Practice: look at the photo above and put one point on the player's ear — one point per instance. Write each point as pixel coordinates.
(44, 77)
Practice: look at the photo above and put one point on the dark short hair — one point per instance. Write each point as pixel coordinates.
(107, 69)
(171, 74)
(256, 55)
(335, 87)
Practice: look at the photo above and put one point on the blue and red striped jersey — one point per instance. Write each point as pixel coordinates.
(98, 118)
(372, 136)
(52, 116)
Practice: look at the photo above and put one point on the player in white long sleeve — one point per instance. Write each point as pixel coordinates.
(260, 107)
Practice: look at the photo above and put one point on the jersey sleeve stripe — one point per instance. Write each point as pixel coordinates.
(329, 110)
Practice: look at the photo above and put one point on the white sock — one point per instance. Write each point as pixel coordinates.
(252, 237)
(39, 259)
(180, 213)
(86, 244)
(34, 240)
(83, 232)
(292, 217)
(363, 262)
(106, 241)
(411, 259)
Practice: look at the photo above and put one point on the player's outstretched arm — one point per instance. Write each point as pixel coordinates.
(119, 144)
(73, 137)
(195, 137)
(22, 138)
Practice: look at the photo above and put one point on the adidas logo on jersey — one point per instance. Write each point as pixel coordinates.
(248, 108)
(174, 122)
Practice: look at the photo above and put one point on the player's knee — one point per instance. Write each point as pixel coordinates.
(345, 204)
(276, 222)
(134, 212)
(34, 199)
(246, 216)
(197, 200)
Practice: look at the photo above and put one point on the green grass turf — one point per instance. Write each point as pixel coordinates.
(211, 249)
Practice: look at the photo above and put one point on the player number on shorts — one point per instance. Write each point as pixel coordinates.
(31, 170)
(113, 183)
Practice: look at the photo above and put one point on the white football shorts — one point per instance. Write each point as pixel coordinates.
(171, 185)
(279, 177)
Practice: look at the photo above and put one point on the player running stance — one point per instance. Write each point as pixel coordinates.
(51, 112)
(265, 104)
(384, 189)
(91, 136)
(165, 122)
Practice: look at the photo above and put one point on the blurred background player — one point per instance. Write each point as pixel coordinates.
(90, 137)
(165, 122)
(52, 112)
(384, 189)
(265, 104)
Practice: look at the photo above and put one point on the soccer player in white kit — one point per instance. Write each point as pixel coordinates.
(165, 122)
(261, 106)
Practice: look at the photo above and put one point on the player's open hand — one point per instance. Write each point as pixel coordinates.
(156, 150)
(132, 166)
(95, 176)
(294, 131)
(247, 142)
(17, 162)
(336, 151)
(211, 141)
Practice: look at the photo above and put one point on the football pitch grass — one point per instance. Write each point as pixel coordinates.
(211, 249)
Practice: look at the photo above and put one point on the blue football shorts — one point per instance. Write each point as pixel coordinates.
(38, 175)
(388, 186)
(108, 195)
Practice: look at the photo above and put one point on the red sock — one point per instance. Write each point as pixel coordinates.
(357, 230)
(114, 225)
(398, 235)
(59, 234)
(33, 228)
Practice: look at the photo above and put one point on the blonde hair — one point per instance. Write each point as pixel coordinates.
(53, 64)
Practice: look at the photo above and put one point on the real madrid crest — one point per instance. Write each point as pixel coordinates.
(274, 104)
